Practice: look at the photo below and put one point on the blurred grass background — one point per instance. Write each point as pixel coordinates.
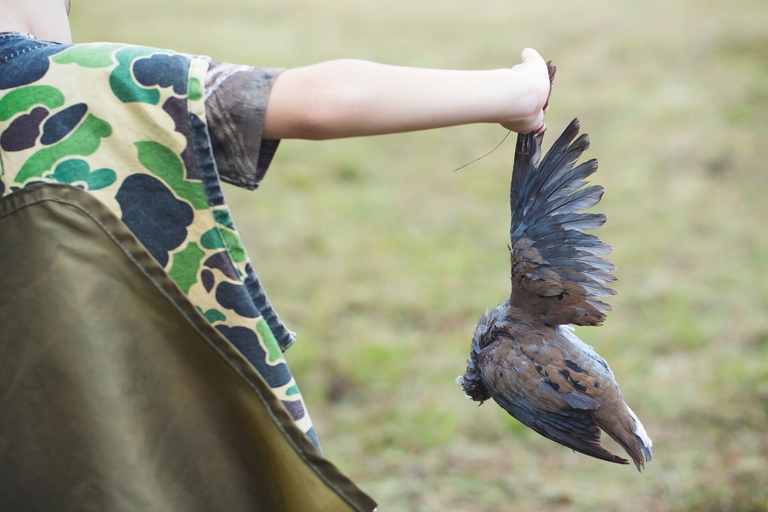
(382, 258)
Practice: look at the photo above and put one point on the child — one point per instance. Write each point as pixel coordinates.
(151, 132)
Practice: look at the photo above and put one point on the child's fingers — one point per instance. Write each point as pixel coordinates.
(538, 124)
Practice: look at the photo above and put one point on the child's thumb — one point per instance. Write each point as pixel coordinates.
(529, 54)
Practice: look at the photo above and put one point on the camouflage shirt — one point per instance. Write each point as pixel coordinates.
(151, 133)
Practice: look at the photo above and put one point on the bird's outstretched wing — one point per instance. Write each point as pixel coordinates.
(557, 271)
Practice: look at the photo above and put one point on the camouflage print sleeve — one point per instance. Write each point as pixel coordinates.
(235, 102)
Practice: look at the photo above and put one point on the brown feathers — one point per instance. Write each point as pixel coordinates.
(557, 271)
(522, 355)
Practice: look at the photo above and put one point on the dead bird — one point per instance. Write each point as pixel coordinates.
(524, 354)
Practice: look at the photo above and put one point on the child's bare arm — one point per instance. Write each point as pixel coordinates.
(348, 98)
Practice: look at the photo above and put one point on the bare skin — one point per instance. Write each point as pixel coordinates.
(347, 98)
(350, 98)
(45, 19)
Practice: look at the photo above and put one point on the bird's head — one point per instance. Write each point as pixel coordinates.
(489, 325)
(485, 332)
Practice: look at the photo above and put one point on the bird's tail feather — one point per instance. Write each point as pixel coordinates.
(628, 431)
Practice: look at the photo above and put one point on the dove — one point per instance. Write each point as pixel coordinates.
(524, 353)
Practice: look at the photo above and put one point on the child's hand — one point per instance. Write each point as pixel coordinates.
(531, 82)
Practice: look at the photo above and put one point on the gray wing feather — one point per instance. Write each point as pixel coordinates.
(557, 268)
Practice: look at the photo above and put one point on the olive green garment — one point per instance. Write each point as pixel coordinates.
(117, 395)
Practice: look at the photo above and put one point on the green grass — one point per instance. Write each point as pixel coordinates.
(382, 258)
